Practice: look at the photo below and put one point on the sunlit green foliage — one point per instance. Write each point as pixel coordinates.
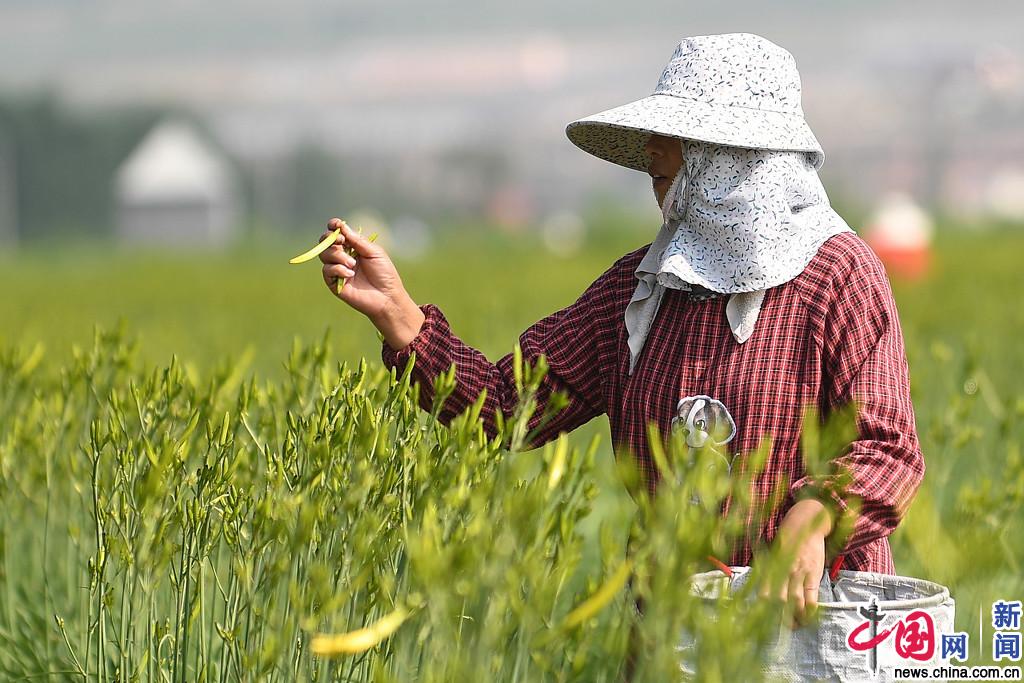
(162, 529)
(201, 517)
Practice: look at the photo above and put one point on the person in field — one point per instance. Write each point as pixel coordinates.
(754, 300)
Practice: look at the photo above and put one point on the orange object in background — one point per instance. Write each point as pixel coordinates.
(907, 264)
(900, 233)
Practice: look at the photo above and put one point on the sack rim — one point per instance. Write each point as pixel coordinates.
(940, 595)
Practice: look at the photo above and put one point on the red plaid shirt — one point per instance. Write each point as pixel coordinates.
(830, 335)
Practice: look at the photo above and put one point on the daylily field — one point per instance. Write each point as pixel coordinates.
(207, 474)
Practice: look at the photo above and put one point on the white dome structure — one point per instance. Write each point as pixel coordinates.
(174, 188)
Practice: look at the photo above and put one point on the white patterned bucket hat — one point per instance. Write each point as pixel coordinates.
(735, 89)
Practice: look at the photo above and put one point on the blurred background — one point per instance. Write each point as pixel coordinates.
(134, 131)
(197, 122)
(160, 162)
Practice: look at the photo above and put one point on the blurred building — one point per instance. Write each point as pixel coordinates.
(175, 188)
(459, 111)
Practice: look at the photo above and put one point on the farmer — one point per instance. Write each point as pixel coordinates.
(754, 299)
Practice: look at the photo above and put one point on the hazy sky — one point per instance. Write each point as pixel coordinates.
(362, 76)
(42, 38)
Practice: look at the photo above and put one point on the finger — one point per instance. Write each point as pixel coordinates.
(337, 254)
(339, 270)
(339, 239)
(362, 245)
(795, 589)
(336, 271)
(329, 280)
(810, 595)
(782, 594)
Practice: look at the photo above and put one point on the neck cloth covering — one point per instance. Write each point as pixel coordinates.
(736, 221)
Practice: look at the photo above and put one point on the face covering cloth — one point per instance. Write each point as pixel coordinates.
(736, 222)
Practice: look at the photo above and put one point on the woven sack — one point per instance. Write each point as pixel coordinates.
(819, 651)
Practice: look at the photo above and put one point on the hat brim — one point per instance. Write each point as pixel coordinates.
(619, 135)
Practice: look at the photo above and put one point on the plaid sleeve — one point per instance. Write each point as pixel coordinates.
(568, 340)
(864, 362)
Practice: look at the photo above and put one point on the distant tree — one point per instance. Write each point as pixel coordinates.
(65, 162)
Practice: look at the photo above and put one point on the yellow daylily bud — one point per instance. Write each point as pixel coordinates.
(361, 639)
(318, 249)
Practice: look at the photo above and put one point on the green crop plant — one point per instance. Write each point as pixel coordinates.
(195, 520)
(322, 528)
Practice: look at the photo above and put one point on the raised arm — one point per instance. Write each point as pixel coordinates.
(576, 341)
(570, 340)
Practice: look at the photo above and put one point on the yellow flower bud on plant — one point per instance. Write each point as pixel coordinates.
(361, 639)
(600, 598)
